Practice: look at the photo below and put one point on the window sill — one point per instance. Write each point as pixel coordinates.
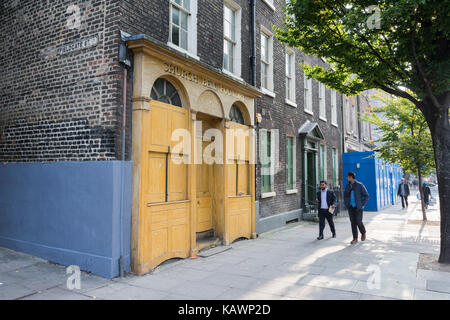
(290, 103)
(309, 112)
(323, 119)
(267, 92)
(183, 51)
(268, 195)
(334, 124)
(293, 191)
(271, 6)
(233, 75)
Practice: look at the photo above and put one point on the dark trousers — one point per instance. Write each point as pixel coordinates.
(356, 217)
(404, 200)
(324, 214)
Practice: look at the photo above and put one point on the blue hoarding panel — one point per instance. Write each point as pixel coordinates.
(67, 212)
(381, 179)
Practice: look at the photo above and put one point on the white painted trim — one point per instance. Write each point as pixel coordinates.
(270, 5)
(268, 195)
(323, 119)
(192, 31)
(231, 74)
(181, 50)
(268, 92)
(238, 47)
(293, 191)
(290, 103)
(270, 80)
(309, 112)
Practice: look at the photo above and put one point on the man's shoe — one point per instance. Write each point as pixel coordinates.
(334, 235)
(320, 238)
(354, 241)
(363, 237)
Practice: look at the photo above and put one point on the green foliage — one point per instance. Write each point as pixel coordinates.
(405, 137)
(413, 35)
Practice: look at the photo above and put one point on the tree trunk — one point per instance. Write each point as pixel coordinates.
(422, 199)
(440, 131)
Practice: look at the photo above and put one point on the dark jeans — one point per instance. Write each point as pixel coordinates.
(324, 214)
(404, 200)
(356, 217)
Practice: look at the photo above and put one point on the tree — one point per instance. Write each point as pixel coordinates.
(403, 48)
(405, 139)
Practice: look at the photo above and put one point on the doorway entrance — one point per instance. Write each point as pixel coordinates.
(176, 199)
(310, 177)
(311, 135)
(207, 172)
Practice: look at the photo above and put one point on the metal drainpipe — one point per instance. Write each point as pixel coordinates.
(253, 41)
(253, 69)
(358, 111)
(342, 125)
(124, 120)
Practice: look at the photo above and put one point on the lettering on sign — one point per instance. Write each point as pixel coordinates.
(197, 79)
(79, 45)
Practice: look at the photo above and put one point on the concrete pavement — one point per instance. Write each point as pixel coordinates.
(287, 263)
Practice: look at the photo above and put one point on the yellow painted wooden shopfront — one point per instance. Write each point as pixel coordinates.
(193, 157)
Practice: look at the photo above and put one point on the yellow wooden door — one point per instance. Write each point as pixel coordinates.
(164, 221)
(204, 195)
(239, 198)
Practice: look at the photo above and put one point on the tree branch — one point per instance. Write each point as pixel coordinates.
(422, 73)
(401, 94)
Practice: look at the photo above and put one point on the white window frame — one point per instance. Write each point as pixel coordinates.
(307, 89)
(290, 98)
(334, 108)
(354, 121)
(191, 29)
(322, 103)
(336, 164)
(348, 118)
(294, 165)
(269, 62)
(273, 158)
(270, 4)
(237, 48)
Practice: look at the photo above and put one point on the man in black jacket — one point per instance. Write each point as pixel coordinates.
(325, 199)
(403, 192)
(355, 198)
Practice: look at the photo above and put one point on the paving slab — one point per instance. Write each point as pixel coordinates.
(438, 286)
(230, 280)
(388, 290)
(14, 291)
(430, 295)
(158, 282)
(288, 263)
(122, 291)
(199, 290)
(316, 293)
(56, 294)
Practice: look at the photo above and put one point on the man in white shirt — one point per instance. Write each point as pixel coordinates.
(326, 199)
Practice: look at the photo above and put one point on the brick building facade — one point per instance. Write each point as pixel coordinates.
(287, 115)
(63, 84)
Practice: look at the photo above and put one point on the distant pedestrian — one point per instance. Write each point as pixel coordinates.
(326, 200)
(426, 194)
(403, 192)
(355, 198)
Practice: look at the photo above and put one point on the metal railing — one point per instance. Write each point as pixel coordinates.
(310, 206)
